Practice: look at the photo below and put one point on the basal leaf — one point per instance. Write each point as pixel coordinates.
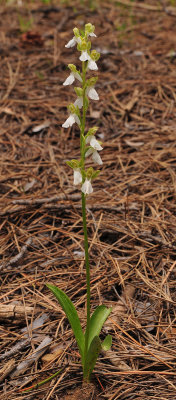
(72, 316)
(97, 320)
(91, 358)
(107, 342)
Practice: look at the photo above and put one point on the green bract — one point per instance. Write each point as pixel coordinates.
(91, 81)
(92, 131)
(72, 68)
(79, 91)
(73, 164)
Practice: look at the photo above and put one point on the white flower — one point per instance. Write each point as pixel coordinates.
(84, 56)
(92, 93)
(71, 120)
(93, 143)
(77, 176)
(79, 102)
(87, 187)
(92, 65)
(71, 78)
(95, 156)
(71, 42)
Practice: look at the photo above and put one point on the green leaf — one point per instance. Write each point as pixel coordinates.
(72, 316)
(91, 358)
(97, 321)
(107, 342)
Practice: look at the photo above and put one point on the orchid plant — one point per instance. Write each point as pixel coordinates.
(88, 342)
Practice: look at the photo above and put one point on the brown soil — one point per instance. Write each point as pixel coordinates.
(131, 212)
(84, 393)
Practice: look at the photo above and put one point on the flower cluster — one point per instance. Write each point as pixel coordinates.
(89, 145)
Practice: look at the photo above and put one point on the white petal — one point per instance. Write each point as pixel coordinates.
(79, 102)
(95, 144)
(77, 120)
(84, 56)
(77, 76)
(92, 65)
(92, 94)
(89, 152)
(96, 158)
(92, 34)
(87, 187)
(77, 176)
(69, 121)
(69, 80)
(71, 43)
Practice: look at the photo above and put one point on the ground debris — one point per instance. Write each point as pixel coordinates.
(131, 212)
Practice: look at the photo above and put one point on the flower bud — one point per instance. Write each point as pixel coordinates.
(89, 173)
(95, 55)
(89, 28)
(76, 32)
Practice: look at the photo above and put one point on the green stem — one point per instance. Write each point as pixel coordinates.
(87, 275)
(84, 67)
(84, 97)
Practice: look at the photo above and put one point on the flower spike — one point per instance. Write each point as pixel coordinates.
(89, 145)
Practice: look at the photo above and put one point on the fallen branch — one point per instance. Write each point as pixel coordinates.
(14, 311)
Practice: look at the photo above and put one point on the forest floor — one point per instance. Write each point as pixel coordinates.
(131, 212)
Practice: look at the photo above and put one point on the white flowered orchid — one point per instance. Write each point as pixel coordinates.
(95, 156)
(84, 176)
(77, 176)
(87, 187)
(71, 78)
(94, 143)
(71, 120)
